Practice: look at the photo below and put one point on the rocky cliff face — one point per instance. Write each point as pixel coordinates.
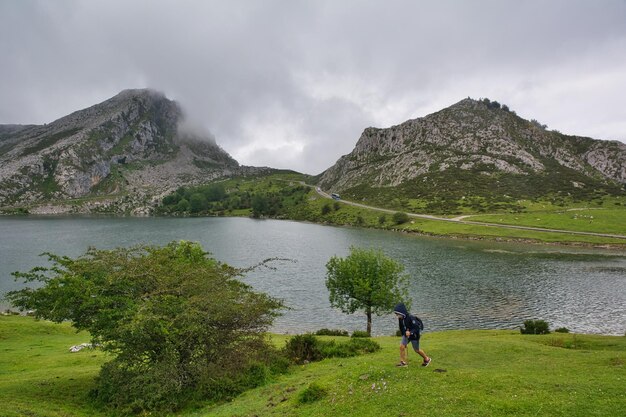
(128, 150)
(475, 137)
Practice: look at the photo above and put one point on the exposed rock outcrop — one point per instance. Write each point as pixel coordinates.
(129, 150)
(473, 136)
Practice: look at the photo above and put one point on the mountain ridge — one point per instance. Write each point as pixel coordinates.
(125, 154)
(129, 148)
(479, 143)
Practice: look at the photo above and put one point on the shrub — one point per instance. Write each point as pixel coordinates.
(562, 330)
(400, 217)
(332, 332)
(314, 392)
(360, 333)
(353, 347)
(307, 348)
(535, 327)
(303, 348)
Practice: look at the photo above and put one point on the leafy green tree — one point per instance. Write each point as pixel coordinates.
(183, 205)
(198, 203)
(366, 280)
(171, 199)
(177, 321)
(260, 205)
(215, 192)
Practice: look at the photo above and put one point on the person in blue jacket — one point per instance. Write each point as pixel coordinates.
(410, 329)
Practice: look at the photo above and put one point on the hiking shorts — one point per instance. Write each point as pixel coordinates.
(414, 342)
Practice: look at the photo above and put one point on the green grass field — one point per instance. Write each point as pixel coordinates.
(599, 220)
(38, 374)
(473, 373)
(613, 219)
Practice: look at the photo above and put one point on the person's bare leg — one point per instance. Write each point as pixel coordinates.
(403, 353)
(422, 354)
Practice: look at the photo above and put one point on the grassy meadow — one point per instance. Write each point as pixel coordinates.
(473, 373)
(583, 219)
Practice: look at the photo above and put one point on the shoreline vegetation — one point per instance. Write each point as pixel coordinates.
(474, 372)
(287, 196)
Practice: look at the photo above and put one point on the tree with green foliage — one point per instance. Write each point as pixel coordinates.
(171, 200)
(197, 203)
(182, 206)
(215, 192)
(181, 326)
(366, 280)
(260, 205)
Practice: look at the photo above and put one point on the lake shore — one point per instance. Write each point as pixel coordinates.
(452, 234)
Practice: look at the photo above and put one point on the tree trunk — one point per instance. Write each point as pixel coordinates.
(369, 321)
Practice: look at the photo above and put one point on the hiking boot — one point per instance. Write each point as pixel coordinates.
(402, 364)
(427, 362)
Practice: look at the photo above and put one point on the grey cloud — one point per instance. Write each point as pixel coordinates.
(293, 83)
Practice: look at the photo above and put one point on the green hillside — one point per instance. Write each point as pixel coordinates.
(284, 195)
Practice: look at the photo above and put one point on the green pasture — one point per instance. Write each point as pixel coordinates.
(473, 373)
(598, 220)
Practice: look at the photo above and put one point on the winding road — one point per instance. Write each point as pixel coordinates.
(461, 220)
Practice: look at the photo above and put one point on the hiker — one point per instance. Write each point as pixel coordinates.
(410, 328)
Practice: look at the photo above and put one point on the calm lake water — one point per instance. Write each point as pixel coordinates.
(454, 284)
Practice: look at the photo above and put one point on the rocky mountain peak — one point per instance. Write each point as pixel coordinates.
(128, 144)
(481, 140)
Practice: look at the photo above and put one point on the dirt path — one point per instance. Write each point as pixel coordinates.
(460, 220)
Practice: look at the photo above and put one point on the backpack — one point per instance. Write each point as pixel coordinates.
(416, 323)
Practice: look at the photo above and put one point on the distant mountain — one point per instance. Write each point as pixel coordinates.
(471, 151)
(128, 150)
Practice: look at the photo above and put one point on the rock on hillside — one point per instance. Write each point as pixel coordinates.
(129, 150)
(475, 147)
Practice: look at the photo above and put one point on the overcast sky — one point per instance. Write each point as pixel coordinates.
(292, 84)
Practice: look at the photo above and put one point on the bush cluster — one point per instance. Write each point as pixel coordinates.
(535, 327)
(306, 348)
(332, 332)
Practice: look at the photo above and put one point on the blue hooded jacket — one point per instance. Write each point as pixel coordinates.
(408, 322)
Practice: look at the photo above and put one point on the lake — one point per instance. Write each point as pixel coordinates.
(454, 284)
